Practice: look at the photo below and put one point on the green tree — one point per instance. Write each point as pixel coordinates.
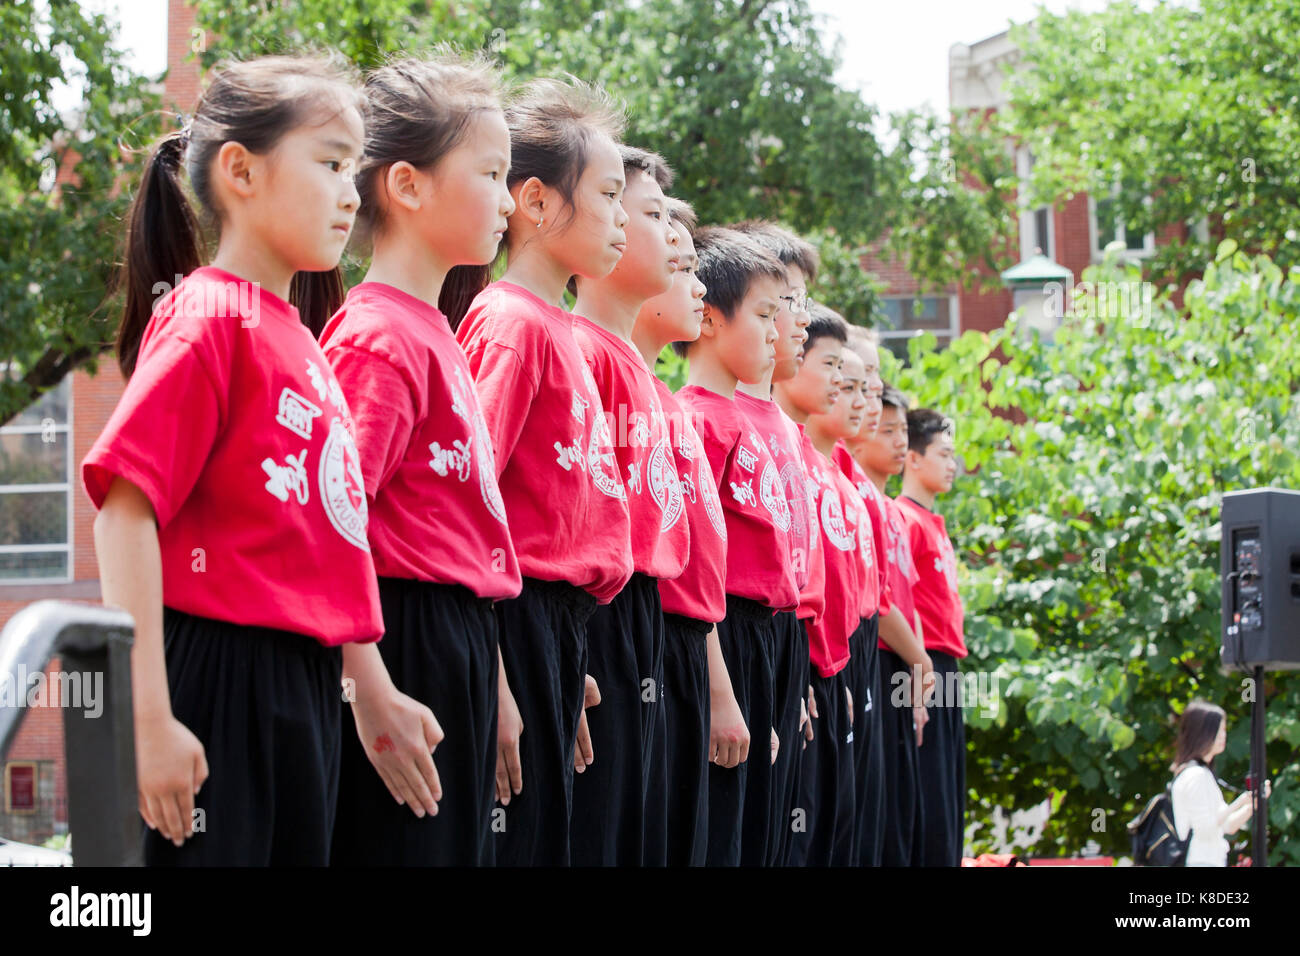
(1090, 539)
(56, 260)
(1187, 110)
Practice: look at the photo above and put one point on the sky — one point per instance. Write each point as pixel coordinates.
(895, 53)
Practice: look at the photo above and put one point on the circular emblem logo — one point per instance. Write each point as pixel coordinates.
(665, 487)
(600, 456)
(837, 531)
(772, 491)
(342, 489)
(487, 468)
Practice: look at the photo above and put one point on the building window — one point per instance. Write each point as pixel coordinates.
(36, 490)
(20, 786)
(1036, 223)
(1106, 226)
(906, 317)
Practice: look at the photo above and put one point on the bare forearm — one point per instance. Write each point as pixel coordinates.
(130, 575)
(895, 631)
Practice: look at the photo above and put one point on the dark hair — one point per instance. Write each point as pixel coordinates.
(825, 322)
(652, 164)
(729, 262)
(783, 244)
(417, 111)
(1197, 729)
(679, 210)
(254, 103)
(923, 426)
(893, 398)
(552, 125)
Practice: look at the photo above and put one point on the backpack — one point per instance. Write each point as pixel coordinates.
(1153, 834)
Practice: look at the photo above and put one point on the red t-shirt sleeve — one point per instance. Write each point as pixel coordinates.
(383, 410)
(506, 388)
(163, 429)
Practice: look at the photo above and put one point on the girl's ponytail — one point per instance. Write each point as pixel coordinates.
(162, 243)
(317, 296)
(460, 287)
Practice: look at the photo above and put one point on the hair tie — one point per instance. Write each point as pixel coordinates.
(186, 124)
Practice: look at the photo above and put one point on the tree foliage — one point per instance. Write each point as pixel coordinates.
(1089, 530)
(60, 241)
(1188, 110)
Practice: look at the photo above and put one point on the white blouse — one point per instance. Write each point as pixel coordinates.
(1199, 806)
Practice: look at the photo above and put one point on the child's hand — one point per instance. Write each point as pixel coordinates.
(510, 727)
(919, 719)
(170, 769)
(848, 699)
(582, 752)
(728, 735)
(776, 744)
(399, 734)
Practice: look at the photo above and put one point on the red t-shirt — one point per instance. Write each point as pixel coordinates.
(839, 511)
(753, 500)
(700, 591)
(899, 564)
(239, 435)
(875, 590)
(633, 413)
(436, 513)
(783, 438)
(555, 464)
(935, 593)
(815, 478)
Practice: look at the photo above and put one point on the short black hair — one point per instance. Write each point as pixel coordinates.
(729, 262)
(825, 322)
(923, 426)
(679, 210)
(652, 164)
(893, 398)
(783, 244)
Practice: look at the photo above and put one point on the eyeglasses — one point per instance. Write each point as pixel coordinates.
(798, 301)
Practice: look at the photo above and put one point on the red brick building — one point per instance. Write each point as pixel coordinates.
(47, 547)
(1073, 233)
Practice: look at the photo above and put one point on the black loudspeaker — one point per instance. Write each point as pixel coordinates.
(1260, 565)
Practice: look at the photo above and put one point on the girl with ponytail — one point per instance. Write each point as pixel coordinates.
(232, 514)
(433, 196)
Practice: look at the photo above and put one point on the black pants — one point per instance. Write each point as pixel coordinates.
(943, 767)
(682, 776)
(543, 638)
(822, 829)
(740, 797)
(904, 813)
(440, 647)
(625, 650)
(267, 706)
(868, 760)
(791, 675)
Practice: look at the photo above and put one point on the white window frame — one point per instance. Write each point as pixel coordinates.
(1024, 164)
(954, 318)
(1148, 241)
(64, 486)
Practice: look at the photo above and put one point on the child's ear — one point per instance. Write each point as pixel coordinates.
(403, 185)
(710, 322)
(236, 169)
(533, 201)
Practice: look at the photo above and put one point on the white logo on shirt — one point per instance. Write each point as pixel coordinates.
(600, 458)
(746, 458)
(287, 479)
(946, 561)
(317, 380)
(664, 484)
(568, 456)
(640, 430)
(296, 413)
(773, 494)
(796, 496)
(633, 482)
(342, 489)
(579, 408)
(688, 488)
(833, 523)
(744, 493)
(774, 445)
(456, 458)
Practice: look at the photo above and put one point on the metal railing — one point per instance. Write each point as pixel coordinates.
(103, 815)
